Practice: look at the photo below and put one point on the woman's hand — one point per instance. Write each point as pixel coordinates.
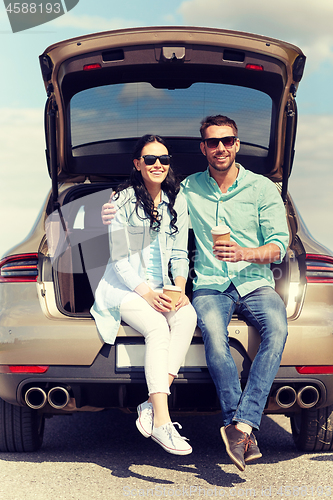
(157, 300)
(108, 212)
(182, 301)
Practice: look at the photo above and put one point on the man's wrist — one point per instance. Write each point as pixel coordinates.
(261, 255)
(248, 254)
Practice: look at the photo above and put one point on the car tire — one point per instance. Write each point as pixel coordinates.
(21, 428)
(312, 430)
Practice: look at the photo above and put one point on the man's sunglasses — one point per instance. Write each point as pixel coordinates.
(151, 159)
(227, 142)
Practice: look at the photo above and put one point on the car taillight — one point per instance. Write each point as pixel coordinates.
(19, 268)
(319, 268)
(23, 369)
(254, 67)
(91, 67)
(326, 369)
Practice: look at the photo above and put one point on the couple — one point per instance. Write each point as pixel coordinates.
(230, 277)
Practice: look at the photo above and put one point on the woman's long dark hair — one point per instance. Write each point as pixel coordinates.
(143, 197)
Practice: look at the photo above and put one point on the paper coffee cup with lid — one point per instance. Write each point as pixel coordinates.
(220, 233)
(173, 292)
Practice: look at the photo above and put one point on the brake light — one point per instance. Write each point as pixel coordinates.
(254, 67)
(327, 369)
(19, 268)
(90, 67)
(23, 369)
(319, 268)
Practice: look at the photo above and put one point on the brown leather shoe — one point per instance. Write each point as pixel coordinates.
(252, 452)
(236, 443)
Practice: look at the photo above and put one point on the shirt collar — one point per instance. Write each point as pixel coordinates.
(164, 197)
(240, 176)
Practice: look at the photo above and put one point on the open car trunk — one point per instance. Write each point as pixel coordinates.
(81, 252)
(78, 245)
(107, 90)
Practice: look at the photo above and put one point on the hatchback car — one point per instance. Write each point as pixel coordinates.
(103, 92)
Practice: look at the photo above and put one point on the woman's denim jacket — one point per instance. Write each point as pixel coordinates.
(129, 238)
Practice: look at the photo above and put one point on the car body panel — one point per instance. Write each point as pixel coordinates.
(38, 339)
(49, 339)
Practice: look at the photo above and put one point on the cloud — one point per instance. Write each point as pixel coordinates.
(24, 178)
(311, 178)
(302, 22)
(314, 137)
(94, 23)
(25, 181)
(133, 91)
(22, 130)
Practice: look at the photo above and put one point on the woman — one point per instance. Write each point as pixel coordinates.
(149, 234)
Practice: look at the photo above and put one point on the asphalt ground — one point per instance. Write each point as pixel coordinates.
(103, 456)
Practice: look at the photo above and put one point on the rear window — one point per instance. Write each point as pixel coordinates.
(133, 109)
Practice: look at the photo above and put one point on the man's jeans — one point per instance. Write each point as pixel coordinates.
(265, 310)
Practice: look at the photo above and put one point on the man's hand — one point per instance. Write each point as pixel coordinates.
(108, 212)
(229, 251)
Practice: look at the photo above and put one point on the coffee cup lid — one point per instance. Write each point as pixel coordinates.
(172, 288)
(223, 229)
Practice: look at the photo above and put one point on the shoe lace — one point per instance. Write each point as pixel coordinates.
(174, 432)
(246, 440)
(250, 441)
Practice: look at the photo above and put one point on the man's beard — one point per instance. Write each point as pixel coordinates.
(219, 169)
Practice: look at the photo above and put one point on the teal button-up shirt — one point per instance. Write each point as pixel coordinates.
(255, 213)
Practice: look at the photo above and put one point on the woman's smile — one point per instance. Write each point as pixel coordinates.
(152, 174)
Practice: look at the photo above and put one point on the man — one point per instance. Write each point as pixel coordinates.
(235, 276)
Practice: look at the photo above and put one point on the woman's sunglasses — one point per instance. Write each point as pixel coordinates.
(151, 159)
(228, 142)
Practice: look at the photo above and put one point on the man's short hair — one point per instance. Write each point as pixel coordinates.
(218, 120)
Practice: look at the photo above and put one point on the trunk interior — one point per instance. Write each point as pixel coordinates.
(82, 251)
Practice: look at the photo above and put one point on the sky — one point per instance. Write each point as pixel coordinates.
(24, 182)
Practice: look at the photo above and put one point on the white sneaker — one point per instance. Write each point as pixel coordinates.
(144, 422)
(168, 437)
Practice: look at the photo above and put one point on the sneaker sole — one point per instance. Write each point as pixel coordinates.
(170, 450)
(141, 429)
(235, 461)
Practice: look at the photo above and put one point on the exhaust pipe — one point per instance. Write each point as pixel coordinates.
(308, 396)
(285, 396)
(36, 398)
(58, 397)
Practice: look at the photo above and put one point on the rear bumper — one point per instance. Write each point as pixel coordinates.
(108, 384)
(100, 376)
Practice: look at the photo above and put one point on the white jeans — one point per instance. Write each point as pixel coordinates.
(167, 337)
